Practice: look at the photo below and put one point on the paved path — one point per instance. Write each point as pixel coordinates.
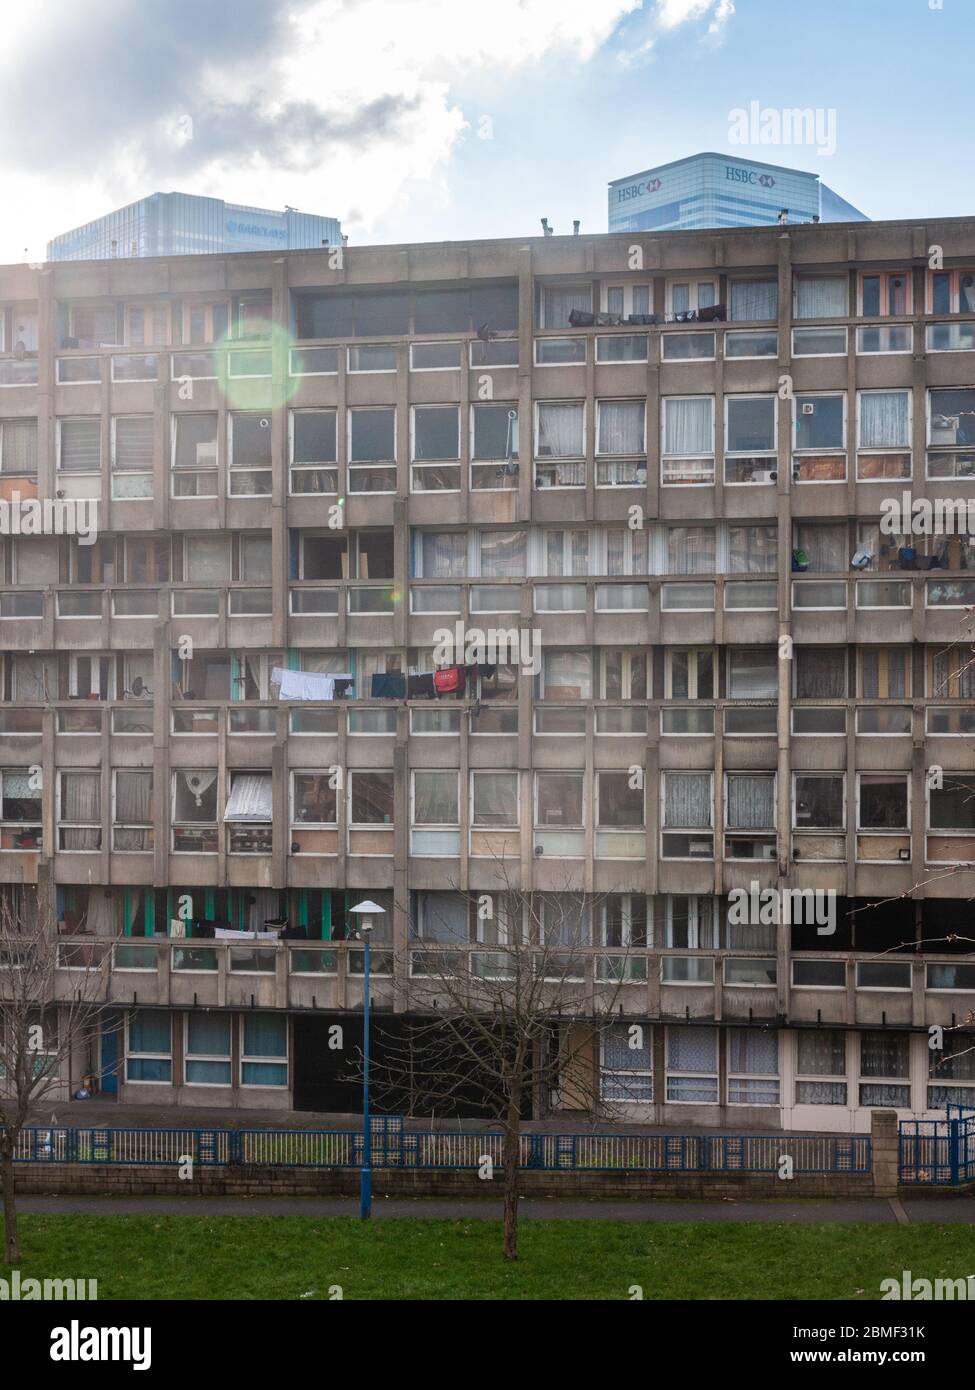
(878, 1210)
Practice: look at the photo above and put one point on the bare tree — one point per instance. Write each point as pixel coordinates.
(47, 1019)
(508, 1023)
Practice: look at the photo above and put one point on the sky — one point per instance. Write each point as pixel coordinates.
(434, 120)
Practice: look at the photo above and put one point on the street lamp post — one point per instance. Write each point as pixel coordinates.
(365, 912)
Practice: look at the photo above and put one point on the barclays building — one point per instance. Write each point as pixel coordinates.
(183, 224)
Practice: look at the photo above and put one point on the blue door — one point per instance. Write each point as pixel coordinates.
(108, 1081)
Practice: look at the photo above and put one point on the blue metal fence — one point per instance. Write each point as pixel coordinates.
(393, 1147)
(938, 1151)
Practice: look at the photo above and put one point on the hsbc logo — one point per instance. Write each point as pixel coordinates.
(739, 175)
(625, 194)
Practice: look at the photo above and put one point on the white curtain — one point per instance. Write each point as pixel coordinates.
(691, 550)
(821, 296)
(752, 674)
(133, 808)
(621, 427)
(503, 554)
(81, 801)
(444, 555)
(751, 802)
(34, 679)
(753, 300)
(687, 800)
(826, 547)
(250, 799)
(821, 673)
(435, 798)
(558, 301)
(689, 425)
(753, 1052)
(207, 558)
(18, 446)
(752, 549)
(692, 1049)
(884, 420)
(822, 1052)
(100, 916)
(495, 798)
(560, 429)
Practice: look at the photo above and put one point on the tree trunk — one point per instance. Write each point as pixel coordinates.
(11, 1246)
(510, 1154)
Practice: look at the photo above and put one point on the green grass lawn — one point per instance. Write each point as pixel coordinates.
(198, 1257)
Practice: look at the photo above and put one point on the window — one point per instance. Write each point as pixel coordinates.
(688, 815)
(79, 811)
(494, 799)
(820, 548)
(249, 813)
(372, 449)
(250, 454)
(884, 673)
(148, 1046)
(687, 347)
(194, 811)
(750, 439)
(689, 922)
(20, 810)
(819, 438)
(753, 673)
(194, 458)
(951, 807)
(820, 673)
(443, 917)
(883, 426)
(207, 1048)
(264, 1050)
(819, 801)
(494, 446)
(752, 549)
(690, 550)
(951, 433)
(502, 554)
(566, 553)
(753, 300)
(885, 293)
(559, 806)
(622, 674)
(132, 813)
(626, 1064)
(312, 451)
(555, 304)
(956, 1063)
(441, 554)
(435, 812)
(132, 455)
(79, 445)
(689, 673)
(883, 802)
(626, 551)
(18, 448)
(819, 342)
(692, 1065)
(314, 808)
(434, 438)
(559, 435)
(820, 1055)
(559, 352)
(951, 292)
(749, 815)
(620, 815)
(751, 343)
(687, 447)
(753, 1066)
(820, 296)
(622, 300)
(951, 673)
(623, 920)
(689, 296)
(892, 337)
(885, 1070)
(621, 443)
(371, 798)
(566, 675)
(564, 920)
(623, 347)
(372, 357)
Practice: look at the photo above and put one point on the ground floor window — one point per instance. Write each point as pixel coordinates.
(264, 1050)
(626, 1065)
(692, 1065)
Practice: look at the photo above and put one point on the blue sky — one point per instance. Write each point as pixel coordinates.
(374, 110)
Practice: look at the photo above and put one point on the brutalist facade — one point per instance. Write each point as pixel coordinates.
(679, 473)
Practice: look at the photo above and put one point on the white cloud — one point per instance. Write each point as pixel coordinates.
(332, 106)
(672, 13)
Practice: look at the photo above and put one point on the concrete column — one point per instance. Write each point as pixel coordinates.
(884, 1138)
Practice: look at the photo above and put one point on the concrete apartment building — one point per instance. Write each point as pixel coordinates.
(669, 455)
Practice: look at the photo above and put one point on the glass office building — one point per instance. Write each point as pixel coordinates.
(716, 190)
(183, 224)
